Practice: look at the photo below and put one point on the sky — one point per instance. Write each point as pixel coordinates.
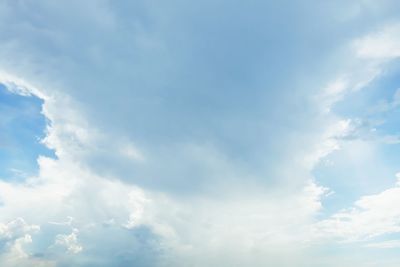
(206, 133)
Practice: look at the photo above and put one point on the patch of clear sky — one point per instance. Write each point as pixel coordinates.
(22, 127)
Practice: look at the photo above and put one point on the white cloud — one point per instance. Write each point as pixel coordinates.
(228, 185)
(370, 217)
(14, 236)
(70, 242)
(381, 45)
(189, 227)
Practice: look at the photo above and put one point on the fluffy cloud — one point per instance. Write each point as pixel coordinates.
(180, 140)
(371, 216)
(14, 237)
(70, 242)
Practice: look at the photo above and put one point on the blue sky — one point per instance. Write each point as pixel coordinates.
(199, 133)
(22, 128)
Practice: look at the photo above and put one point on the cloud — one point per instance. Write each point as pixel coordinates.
(70, 242)
(371, 216)
(374, 214)
(184, 135)
(381, 45)
(67, 188)
(205, 96)
(14, 237)
(16, 229)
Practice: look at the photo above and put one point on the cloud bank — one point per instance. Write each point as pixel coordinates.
(189, 133)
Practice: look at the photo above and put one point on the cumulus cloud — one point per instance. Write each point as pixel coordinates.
(181, 140)
(371, 216)
(14, 237)
(70, 242)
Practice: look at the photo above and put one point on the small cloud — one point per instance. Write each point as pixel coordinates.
(70, 242)
(131, 152)
(66, 223)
